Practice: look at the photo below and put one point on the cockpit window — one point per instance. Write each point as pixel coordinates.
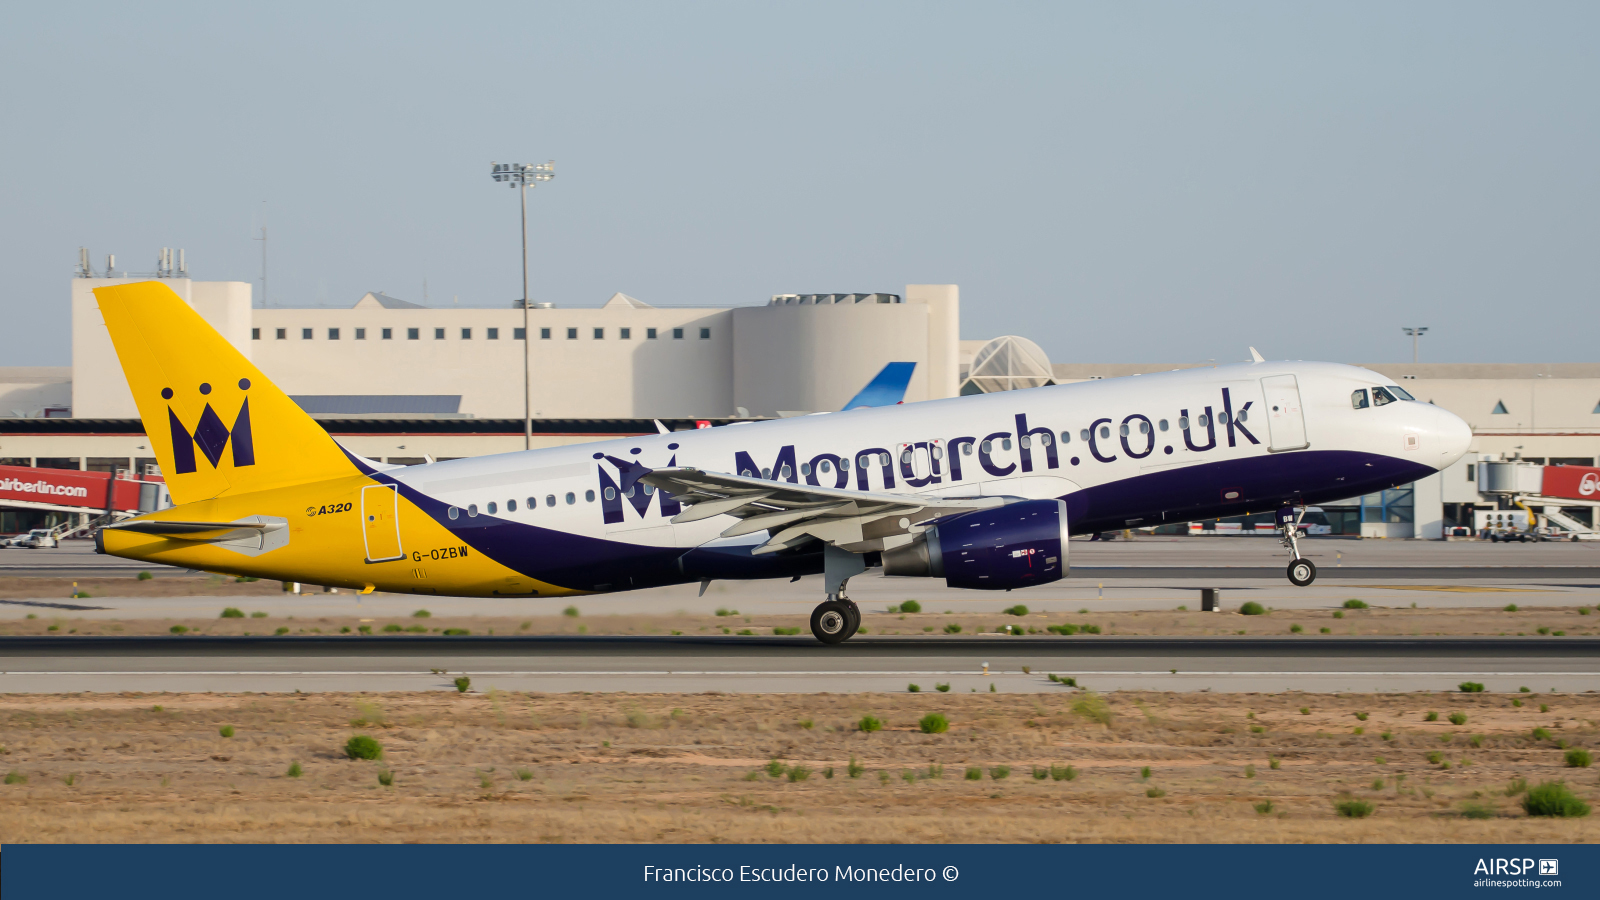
(1358, 399)
(1382, 397)
(1400, 392)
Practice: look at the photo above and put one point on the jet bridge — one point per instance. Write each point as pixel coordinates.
(1531, 487)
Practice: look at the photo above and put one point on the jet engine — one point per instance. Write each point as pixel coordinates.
(1012, 546)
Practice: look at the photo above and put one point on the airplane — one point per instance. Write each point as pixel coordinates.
(982, 491)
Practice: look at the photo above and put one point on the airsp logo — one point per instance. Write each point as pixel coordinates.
(1549, 867)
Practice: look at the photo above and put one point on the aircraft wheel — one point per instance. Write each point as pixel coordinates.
(831, 622)
(855, 616)
(1302, 572)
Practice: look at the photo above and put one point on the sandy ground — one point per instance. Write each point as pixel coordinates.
(1425, 621)
(498, 766)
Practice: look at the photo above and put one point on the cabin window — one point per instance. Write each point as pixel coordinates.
(988, 446)
(936, 451)
(1044, 440)
(1084, 435)
(822, 467)
(588, 496)
(549, 499)
(455, 513)
(1222, 418)
(805, 468)
(571, 498)
(472, 509)
(767, 474)
(493, 507)
(1162, 425)
(611, 493)
(1144, 427)
(1025, 441)
(1382, 397)
(1105, 432)
(533, 503)
(1005, 443)
(1123, 430)
(782, 474)
(511, 506)
(1204, 420)
(1242, 416)
(1066, 437)
(844, 465)
(1183, 423)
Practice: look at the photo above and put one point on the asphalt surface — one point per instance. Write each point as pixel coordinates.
(782, 665)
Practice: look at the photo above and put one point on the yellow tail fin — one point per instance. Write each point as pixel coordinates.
(217, 425)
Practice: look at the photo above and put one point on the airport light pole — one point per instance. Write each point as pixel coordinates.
(525, 175)
(1415, 333)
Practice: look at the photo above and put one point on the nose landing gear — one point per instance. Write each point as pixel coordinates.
(1301, 571)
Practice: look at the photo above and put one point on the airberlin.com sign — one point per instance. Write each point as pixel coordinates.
(42, 487)
(60, 486)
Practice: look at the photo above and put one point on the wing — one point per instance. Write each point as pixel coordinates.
(858, 521)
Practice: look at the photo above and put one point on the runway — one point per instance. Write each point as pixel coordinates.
(793, 665)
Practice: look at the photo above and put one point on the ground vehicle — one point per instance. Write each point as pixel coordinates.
(37, 539)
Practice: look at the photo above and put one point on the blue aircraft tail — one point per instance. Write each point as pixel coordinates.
(886, 388)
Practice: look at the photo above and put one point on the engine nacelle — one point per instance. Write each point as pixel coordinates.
(1013, 546)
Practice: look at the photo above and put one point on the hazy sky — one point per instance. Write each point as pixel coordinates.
(1117, 181)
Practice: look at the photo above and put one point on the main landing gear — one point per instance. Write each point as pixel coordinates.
(837, 618)
(1302, 571)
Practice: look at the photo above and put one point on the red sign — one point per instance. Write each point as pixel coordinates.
(68, 487)
(1576, 482)
(702, 423)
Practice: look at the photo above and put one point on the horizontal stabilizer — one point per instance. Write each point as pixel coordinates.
(205, 532)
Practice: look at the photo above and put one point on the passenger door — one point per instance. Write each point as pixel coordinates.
(380, 522)
(1286, 422)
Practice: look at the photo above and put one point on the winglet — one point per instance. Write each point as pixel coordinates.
(1256, 357)
(886, 388)
(660, 428)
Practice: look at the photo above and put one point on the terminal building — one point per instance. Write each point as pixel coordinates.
(402, 382)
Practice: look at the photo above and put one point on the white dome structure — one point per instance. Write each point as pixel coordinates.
(1007, 363)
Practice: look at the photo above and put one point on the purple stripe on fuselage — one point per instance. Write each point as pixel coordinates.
(1262, 482)
(579, 562)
